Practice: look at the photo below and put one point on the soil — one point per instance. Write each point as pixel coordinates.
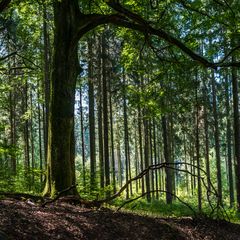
(26, 220)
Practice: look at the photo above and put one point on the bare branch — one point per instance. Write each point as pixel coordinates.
(7, 56)
(160, 191)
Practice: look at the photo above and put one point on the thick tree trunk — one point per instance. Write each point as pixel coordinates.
(60, 162)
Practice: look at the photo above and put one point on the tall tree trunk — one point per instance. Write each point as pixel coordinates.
(155, 157)
(136, 154)
(236, 121)
(32, 137)
(13, 131)
(216, 138)
(82, 137)
(26, 130)
(197, 146)
(105, 112)
(112, 141)
(126, 136)
(229, 142)
(40, 135)
(151, 156)
(91, 116)
(120, 169)
(60, 164)
(146, 157)
(206, 135)
(140, 145)
(46, 82)
(100, 118)
(169, 186)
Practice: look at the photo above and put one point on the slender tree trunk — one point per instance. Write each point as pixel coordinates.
(197, 146)
(229, 142)
(126, 137)
(26, 130)
(155, 157)
(146, 157)
(169, 187)
(105, 113)
(206, 135)
(185, 159)
(151, 156)
(82, 137)
(112, 141)
(40, 135)
(136, 156)
(46, 82)
(236, 122)
(100, 119)
(216, 138)
(91, 117)
(13, 131)
(140, 145)
(32, 137)
(119, 158)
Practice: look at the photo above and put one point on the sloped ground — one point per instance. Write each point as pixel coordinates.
(22, 220)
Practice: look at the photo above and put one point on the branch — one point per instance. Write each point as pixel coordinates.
(7, 56)
(21, 196)
(131, 20)
(58, 195)
(155, 191)
(230, 53)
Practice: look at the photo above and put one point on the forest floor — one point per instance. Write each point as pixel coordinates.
(24, 220)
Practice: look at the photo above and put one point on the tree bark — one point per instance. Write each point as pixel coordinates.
(60, 162)
(216, 138)
(82, 137)
(169, 186)
(105, 113)
(229, 142)
(235, 90)
(91, 116)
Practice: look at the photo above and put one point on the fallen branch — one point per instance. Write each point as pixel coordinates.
(22, 196)
(58, 195)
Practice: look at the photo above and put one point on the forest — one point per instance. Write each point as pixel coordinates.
(119, 119)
